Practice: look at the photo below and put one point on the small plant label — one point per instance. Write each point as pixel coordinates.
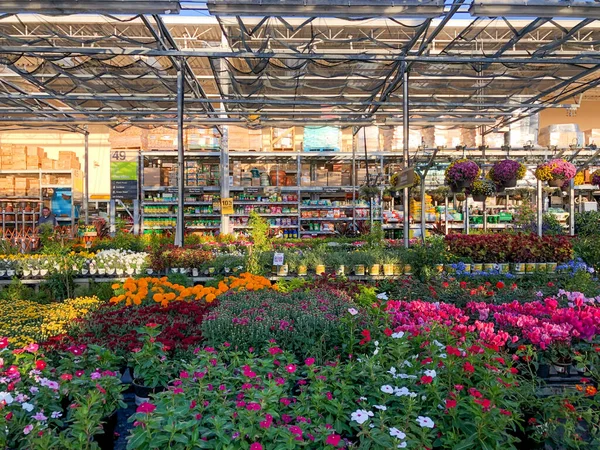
(278, 259)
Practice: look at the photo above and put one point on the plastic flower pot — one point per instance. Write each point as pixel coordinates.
(149, 271)
(359, 270)
(530, 268)
(211, 270)
(449, 269)
(467, 268)
(26, 273)
(477, 267)
(541, 267)
(543, 371)
(302, 271)
(556, 182)
(510, 183)
(489, 266)
(562, 368)
(519, 268)
(340, 270)
(43, 272)
(479, 198)
(174, 269)
(119, 271)
(398, 269)
(142, 393)
(458, 187)
(375, 270)
(106, 440)
(388, 270)
(320, 269)
(551, 267)
(282, 271)
(10, 273)
(35, 273)
(504, 267)
(407, 269)
(110, 271)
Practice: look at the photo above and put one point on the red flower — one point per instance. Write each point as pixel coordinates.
(463, 284)
(388, 332)
(40, 364)
(485, 403)
(453, 351)
(459, 387)
(151, 325)
(505, 412)
(513, 287)
(468, 367)
(473, 292)
(333, 439)
(550, 284)
(426, 379)
(569, 406)
(500, 285)
(426, 361)
(366, 337)
(146, 408)
(450, 404)
(3, 343)
(102, 390)
(445, 284)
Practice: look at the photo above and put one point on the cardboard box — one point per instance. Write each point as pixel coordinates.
(132, 137)
(48, 179)
(48, 164)
(33, 187)
(592, 136)
(19, 163)
(151, 176)
(334, 179)
(33, 162)
(162, 138)
(21, 185)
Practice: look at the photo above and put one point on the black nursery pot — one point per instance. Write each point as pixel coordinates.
(143, 392)
(543, 371)
(106, 440)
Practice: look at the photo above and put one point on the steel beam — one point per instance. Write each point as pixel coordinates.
(179, 230)
(86, 176)
(405, 133)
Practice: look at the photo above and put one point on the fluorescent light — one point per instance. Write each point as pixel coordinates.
(535, 8)
(328, 8)
(61, 7)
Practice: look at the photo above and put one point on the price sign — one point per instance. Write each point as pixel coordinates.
(226, 206)
(278, 259)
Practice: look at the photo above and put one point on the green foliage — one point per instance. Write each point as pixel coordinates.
(551, 225)
(588, 223)
(59, 286)
(180, 278)
(18, 291)
(375, 236)
(259, 233)
(588, 249)
(423, 257)
(294, 284)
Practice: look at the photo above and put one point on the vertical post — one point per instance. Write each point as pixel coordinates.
(112, 217)
(572, 207)
(86, 176)
(180, 157)
(225, 224)
(446, 215)
(423, 227)
(353, 175)
(405, 225)
(539, 208)
(466, 214)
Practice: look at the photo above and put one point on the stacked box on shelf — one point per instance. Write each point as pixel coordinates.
(162, 138)
(21, 186)
(7, 186)
(561, 135)
(322, 138)
(33, 187)
(592, 136)
(201, 139)
(67, 160)
(132, 137)
(415, 207)
(368, 136)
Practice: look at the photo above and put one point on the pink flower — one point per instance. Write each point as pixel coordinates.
(290, 368)
(256, 446)
(275, 351)
(3, 342)
(28, 429)
(32, 348)
(333, 439)
(145, 408)
(309, 361)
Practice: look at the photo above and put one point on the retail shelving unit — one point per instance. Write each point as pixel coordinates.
(25, 215)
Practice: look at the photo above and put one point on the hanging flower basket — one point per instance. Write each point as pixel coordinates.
(555, 172)
(506, 173)
(461, 173)
(596, 177)
(481, 189)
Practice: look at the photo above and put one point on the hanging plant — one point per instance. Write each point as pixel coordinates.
(577, 181)
(439, 194)
(507, 172)
(555, 172)
(480, 189)
(368, 192)
(596, 177)
(417, 182)
(461, 173)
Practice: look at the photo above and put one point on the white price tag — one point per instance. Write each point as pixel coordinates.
(278, 259)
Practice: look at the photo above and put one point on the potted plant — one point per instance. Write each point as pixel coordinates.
(555, 172)
(460, 174)
(481, 189)
(150, 374)
(389, 260)
(315, 260)
(561, 357)
(335, 260)
(506, 173)
(360, 260)
(439, 194)
(596, 178)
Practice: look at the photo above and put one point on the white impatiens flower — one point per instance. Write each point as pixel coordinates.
(425, 422)
(382, 296)
(360, 416)
(398, 334)
(431, 373)
(353, 311)
(380, 407)
(387, 389)
(438, 343)
(395, 432)
(405, 376)
(402, 445)
(6, 397)
(27, 407)
(407, 364)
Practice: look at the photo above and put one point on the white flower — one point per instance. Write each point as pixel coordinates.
(392, 371)
(399, 392)
(431, 373)
(27, 407)
(376, 343)
(398, 335)
(6, 397)
(402, 445)
(438, 343)
(443, 355)
(376, 351)
(382, 296)
(380, 407)
(425, 422)
(386, 388)
(407, 364)
(352, 311)
(405, 376)
(395, 432)
(56, 414)
(363, 399)
(360, 416)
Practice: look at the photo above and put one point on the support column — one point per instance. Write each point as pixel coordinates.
(572, 207)
(225, 222)
(86, 177)
(405, 124)
(446, 215)
(423, 226)
(179, 230)
(539, 208)
(466, 214)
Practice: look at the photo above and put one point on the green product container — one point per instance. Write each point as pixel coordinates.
(407, 269)
(542, 267)
(489, 266)
(505, 217)
(467, 268)
(504, 268)
(477, 267)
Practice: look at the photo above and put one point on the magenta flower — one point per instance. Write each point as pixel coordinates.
(256, 446)
(309, 361)
(290, 368)
(146, 408)
(333, 439)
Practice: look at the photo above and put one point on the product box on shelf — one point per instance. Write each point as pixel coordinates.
(132, 137)
(21, 185)
(162, 138)
(33, 162)
(592, 136)
(334, 179)
(152, 176)
(33, 187)
(562, 135)
(19, 162)
(7, 186)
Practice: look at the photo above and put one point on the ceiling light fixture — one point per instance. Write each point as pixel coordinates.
(330, 8)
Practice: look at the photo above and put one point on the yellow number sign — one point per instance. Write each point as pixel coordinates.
(226, 206)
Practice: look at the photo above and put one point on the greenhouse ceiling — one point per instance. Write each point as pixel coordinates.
(256, 70)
